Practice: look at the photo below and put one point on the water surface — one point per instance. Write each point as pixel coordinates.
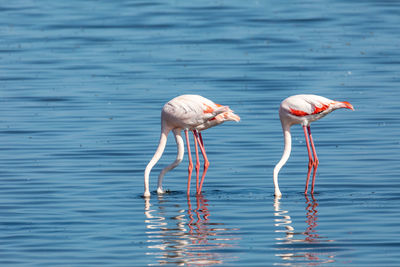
(81, 88)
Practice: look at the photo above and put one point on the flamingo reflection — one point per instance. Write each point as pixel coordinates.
(312, 218)
(198, 220)
(306, 247)
(186, 236)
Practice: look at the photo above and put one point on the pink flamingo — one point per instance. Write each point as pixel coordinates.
(303, 109)
(189, 113)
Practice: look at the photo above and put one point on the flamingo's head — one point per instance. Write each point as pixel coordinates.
(342, 104)
(228, 116)
(347, 105)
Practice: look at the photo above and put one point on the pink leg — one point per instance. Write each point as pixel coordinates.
(313, 181)
(308, 179)
(206, 162)
(310, 159)
(201, 139)
(190, 162)
(197, 161)
(316, 162)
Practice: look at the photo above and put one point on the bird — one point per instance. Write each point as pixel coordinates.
(303, 109)
(189, 113)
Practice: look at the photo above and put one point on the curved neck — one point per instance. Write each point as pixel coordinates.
(285, 156)
(154, 160)
(179, 157)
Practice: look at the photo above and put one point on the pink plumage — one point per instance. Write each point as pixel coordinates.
(303, 109)
(189, 113)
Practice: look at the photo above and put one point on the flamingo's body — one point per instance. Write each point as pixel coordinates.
(189, 113)
(303, 109)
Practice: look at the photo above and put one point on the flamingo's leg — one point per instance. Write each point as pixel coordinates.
(206, 162)
(316, 162)
(201, 142)
(197, 167)
(308, 179)
(310, 159)
(201, 139)
(190, 168)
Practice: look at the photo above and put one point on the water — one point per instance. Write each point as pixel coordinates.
(81, 88)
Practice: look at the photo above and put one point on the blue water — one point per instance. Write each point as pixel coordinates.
(82, 84)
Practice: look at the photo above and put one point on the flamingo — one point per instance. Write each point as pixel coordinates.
(189, 113)
(303, 109)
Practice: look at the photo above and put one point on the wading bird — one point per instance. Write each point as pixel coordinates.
(189, 113)
(303, 109)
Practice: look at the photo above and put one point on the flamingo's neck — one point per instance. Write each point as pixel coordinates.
(285, 156)
(179, 157)
(154, 160)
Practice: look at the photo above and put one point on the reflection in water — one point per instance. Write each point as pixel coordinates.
(306, 247)
(186, 237)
